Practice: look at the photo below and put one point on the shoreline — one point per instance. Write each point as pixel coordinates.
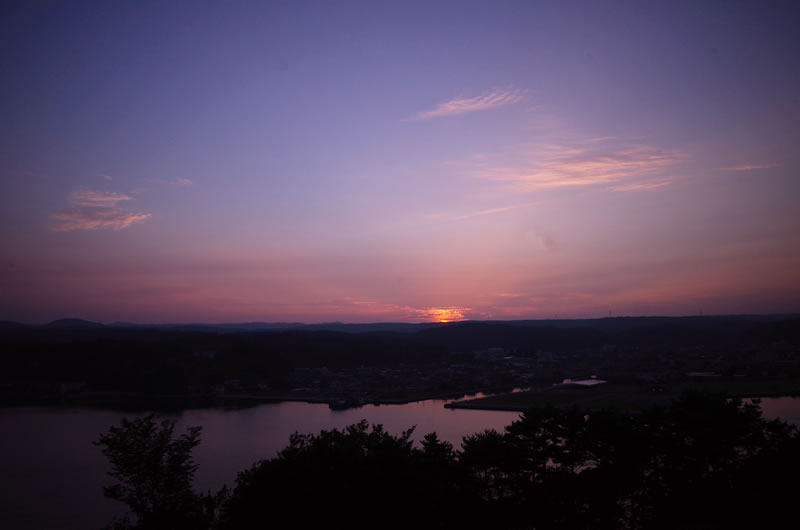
(623, 396)
(143, 401)
(621, 401)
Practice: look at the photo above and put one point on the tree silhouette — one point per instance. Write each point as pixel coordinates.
(154, 470)
(704, 461)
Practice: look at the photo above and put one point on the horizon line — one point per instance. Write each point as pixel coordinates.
(373, 323)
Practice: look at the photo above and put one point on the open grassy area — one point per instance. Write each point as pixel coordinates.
(630, 396)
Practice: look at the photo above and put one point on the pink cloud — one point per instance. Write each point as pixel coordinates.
(492, 211)
(461, 105)
(642, 186)
(96, 210)
(583, 163)
(97, 198)
(95, 218)
(751, 167)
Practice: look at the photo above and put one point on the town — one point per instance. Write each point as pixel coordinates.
(509, 365)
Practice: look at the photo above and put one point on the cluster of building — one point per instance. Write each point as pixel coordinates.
(499, 370)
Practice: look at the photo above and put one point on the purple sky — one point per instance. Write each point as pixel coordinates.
(408, 161)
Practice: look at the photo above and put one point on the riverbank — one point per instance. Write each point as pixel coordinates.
(140, 401)
(623, 396)
(628, 396)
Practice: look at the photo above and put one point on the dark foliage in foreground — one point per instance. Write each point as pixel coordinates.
(703, 462)
(155, 472)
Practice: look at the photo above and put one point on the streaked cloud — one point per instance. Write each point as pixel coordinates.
(106, 177)
(491, 211)
(750, 167)
(96, 210)
(618, 165)
(95, 218)
(97, 198)
(488, 211)
(462, 105)
(179, 181)
(642, 186)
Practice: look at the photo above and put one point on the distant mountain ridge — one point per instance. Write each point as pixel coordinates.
(72, 323)
(10, 324)
(606, 324)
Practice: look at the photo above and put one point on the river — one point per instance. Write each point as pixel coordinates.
(51, 475)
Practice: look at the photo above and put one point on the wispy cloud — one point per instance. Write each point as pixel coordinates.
(578, 163)
(106, 177)
(95, 218)
(751, 167)
(491, 211)
(97, 198)
(462, 105)
(179, 181)
(642, 186)
(95, 210)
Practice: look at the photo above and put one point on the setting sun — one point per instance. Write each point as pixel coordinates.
(446, 314)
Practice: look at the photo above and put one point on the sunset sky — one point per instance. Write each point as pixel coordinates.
(403, 161)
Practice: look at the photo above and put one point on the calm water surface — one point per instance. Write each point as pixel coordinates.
(51, 476)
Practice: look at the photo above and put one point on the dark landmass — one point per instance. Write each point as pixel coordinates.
(644, 360)
(633, 396)
(71, 323)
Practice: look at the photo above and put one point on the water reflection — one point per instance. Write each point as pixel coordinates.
(785, 408)
(233, 440)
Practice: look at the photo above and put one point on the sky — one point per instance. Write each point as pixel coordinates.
(398, 161)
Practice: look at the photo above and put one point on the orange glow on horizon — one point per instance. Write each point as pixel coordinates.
(446, 314)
